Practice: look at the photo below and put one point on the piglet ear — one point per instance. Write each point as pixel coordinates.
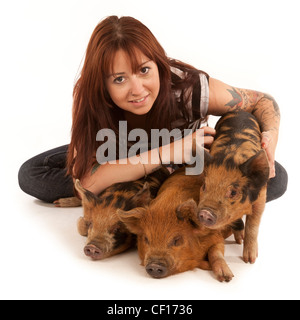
(256, 169)
(79, 188)
(132, 219)
(88, 198)
(187, 211)
(208, 158)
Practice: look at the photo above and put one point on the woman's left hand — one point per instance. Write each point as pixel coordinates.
(269, 144)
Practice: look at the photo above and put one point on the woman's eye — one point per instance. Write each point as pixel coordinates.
(145, 70)
(119, 80)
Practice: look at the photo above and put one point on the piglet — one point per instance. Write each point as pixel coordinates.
(235, 179)
(170, 238)
(106, 233)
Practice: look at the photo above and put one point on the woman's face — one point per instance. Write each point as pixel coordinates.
(133, 92)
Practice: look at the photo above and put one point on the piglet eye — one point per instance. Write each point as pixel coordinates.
(146, 240)
(177, 241)
(232, 193)
(115, 228)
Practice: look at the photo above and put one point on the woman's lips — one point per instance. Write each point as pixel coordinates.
(139, 101)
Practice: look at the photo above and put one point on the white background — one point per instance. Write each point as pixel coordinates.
(249, 44)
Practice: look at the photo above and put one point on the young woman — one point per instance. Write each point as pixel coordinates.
(127, 76)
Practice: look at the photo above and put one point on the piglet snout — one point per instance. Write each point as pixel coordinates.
(93, 252)
(207, 217)
(157, 269)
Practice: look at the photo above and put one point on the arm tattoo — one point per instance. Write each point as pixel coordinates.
(267, 113)
(263, 106)
(237, 100)
(95, 168)
(275, 105)
(243, 99)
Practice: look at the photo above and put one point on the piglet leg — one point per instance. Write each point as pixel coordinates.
(218, 263)
(252, 227)
(68, 202)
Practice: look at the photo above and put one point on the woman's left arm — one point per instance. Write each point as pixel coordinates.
(224, 98)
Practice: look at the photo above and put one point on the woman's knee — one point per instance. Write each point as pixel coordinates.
(24, 176)
(278, 185)
(44, 176)
(43, 182)
(30, 178)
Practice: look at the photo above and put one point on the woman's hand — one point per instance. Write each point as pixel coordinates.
(209, 134)
(180, 151)
(268, 142)
(201, 138)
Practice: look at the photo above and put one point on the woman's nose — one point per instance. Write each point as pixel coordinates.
(136, 86)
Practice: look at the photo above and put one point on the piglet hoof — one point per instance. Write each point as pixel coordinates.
(82, 227)
(250, 253)
(238, 236)
(222, 271)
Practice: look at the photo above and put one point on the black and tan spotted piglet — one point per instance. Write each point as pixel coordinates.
(106, 234)
(235, 179)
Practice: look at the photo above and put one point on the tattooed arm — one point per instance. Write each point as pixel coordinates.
(224, 98)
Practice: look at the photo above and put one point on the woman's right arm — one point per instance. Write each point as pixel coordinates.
(109, 173)
(136, 167)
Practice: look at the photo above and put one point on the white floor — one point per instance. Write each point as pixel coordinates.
(41, 253)
(42, 258)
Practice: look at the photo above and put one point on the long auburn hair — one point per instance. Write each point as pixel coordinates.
(93, 109)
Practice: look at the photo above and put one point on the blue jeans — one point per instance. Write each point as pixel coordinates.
(44, 177)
